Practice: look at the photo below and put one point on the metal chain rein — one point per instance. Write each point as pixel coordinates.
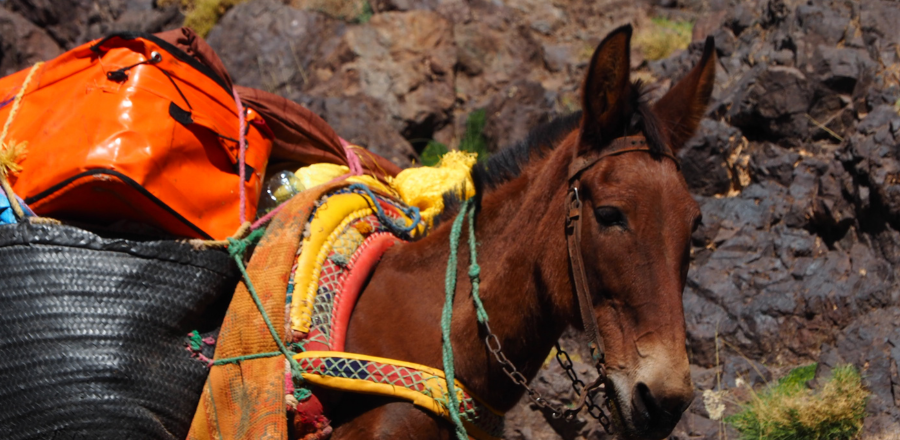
(585, 397)
(585, 393)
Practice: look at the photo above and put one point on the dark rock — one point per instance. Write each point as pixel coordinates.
(499, 52)
(872, 154)
(878, 23)
(515, 111)
(725, 42)
(771, 103)
(22, 43)
(704, 158)
(73, 22)
(404, 5)
(282, 50)
(776, 11)
(841, 68)
(405, 60)
(771, 162)
(557, 57)
(64, 20)
(824, 23)
(868, 344)
(747, 371)
(360, 120)
(137, 16)
(367, 81)
(739, 18)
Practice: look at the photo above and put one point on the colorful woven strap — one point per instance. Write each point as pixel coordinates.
(424, 386)
(326, 225)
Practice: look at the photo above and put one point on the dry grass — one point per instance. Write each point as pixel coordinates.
(660, 37)
(202, 15)
(791, 411)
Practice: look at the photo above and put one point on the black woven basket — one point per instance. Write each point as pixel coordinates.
(92, 333)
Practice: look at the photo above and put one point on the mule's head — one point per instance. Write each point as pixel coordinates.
(636, 228)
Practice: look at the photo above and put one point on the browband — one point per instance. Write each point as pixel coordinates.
(622, 145)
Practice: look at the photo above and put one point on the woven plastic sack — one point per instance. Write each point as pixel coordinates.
(92, 333)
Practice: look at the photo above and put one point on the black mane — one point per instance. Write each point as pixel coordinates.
(508, 163)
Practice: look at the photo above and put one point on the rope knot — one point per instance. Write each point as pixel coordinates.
(236, 247)
(475, 271)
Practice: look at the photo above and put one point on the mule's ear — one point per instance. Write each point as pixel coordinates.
(606, 88)
(681, 109)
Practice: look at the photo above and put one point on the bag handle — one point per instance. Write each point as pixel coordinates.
(188, 117)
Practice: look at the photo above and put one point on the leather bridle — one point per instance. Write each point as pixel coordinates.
(581, 163)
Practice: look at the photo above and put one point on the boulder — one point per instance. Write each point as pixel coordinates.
(405, 60)
(22, 43)
(74, 22)
(515, 111)
(360, 120)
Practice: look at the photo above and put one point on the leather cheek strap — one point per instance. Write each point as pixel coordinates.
(579, 275)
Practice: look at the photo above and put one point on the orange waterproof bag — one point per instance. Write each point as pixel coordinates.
(132, 128)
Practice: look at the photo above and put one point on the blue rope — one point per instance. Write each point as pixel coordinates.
(411, 212)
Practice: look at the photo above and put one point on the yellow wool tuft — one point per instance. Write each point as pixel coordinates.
(424, 187)
(10, 155)
(320, 173)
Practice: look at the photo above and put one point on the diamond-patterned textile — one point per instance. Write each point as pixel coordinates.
(401, 374)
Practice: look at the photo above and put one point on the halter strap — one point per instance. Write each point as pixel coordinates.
(622, 145)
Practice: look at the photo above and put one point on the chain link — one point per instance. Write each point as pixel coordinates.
(596, 411)
(556, 410)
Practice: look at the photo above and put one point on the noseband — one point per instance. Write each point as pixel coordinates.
(619, 146)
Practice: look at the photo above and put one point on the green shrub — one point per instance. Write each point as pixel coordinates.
(432, 153)
(791, 411)
(662, 37)
(472, 141)
(202, 15)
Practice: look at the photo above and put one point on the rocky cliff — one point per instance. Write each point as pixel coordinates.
(796, 167)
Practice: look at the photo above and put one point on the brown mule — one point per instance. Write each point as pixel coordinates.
(637, 219)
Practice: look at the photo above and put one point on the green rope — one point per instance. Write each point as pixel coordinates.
(467, 209)
(195, 341)
(475, 270)
(238, 359)
(237, 248)
(446, 317)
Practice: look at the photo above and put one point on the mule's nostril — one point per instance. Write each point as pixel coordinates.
(665, 408)
(645, 402)
(657, 410)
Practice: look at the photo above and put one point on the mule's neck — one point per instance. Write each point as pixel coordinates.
(525, 282)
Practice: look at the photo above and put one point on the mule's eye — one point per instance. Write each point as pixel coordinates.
(609, 216)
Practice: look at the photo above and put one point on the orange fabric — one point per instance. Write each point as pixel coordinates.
(246, 400)
(156, 143)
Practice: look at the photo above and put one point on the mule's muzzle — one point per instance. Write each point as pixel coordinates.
(655, 416)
